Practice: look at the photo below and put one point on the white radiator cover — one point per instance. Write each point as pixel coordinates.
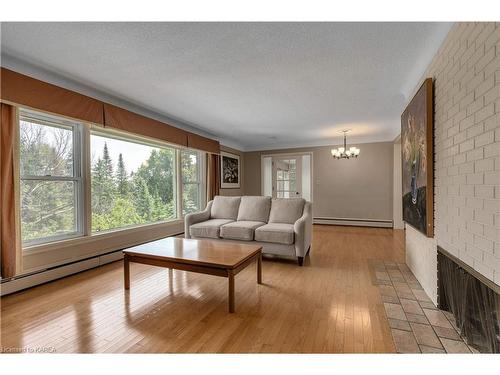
(38, 278)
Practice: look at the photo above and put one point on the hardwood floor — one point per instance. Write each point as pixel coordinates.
(328, 306)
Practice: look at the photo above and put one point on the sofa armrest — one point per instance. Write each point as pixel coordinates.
(196, 217)
(303, 231)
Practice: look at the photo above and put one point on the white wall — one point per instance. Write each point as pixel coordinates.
(466, 72)
(421, 257)
(354, 189)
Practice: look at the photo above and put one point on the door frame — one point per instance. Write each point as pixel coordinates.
(285, 154)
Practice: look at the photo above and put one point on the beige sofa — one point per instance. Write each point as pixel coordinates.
(281, 226)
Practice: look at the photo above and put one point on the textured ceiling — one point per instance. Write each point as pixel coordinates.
(257, 85)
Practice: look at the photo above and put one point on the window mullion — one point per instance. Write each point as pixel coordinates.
(86, 196)
(179, 183)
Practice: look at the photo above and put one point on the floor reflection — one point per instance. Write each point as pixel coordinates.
(330, 305)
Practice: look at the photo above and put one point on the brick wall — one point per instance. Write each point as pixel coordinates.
(466, 71)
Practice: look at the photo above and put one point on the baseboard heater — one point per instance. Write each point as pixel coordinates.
(353, 222)
(473, 300)
(18, 283)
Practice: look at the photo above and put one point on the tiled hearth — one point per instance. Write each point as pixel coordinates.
(417, 326)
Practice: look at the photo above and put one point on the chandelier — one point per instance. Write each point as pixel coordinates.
(343, 152)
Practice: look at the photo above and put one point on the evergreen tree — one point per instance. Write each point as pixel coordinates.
(122, 178)
(143, 200)
(103, 184)
(107, 159)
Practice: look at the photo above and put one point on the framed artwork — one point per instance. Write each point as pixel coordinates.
(417, 125)
(229, 171)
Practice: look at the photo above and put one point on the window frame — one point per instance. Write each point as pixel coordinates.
(200, 180)
(77, 177)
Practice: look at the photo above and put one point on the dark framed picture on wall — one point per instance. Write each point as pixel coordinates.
(417, 123)
(229, 171)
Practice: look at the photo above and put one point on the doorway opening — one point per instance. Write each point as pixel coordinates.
(287, 175)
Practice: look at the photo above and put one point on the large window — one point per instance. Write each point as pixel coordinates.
(132, 183)
(51, 182)
(69, 170)
(192, 187)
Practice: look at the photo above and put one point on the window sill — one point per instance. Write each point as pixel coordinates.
(99, 236)
(134, 228)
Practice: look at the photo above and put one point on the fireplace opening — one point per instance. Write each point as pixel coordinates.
(472, 299)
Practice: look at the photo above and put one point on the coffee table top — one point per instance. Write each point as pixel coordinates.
(202, 252)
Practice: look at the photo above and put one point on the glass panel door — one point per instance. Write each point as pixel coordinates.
(287, 181)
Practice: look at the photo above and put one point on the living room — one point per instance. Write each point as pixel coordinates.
(251, 187)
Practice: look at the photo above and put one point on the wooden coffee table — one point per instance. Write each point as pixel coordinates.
(202, 256)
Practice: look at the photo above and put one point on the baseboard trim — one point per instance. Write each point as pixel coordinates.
(16, 284)
(353, 222)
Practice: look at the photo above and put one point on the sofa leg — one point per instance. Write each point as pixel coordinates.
(301, 261)
(309, 249)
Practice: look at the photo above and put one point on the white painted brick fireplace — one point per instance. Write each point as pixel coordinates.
(466, 73)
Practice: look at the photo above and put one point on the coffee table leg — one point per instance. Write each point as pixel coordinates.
(259, 269)
(230, 276)
(126, 271)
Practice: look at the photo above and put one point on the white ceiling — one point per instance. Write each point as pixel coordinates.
(254, 85)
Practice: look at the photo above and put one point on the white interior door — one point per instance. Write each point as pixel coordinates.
(287, 180)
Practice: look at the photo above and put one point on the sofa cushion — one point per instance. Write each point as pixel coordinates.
(208, 229)
(225, 207)
(286, 210)
(240, 230)
(276, 233)
(254, 209)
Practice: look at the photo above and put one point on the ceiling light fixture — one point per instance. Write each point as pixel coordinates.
(343, 152)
